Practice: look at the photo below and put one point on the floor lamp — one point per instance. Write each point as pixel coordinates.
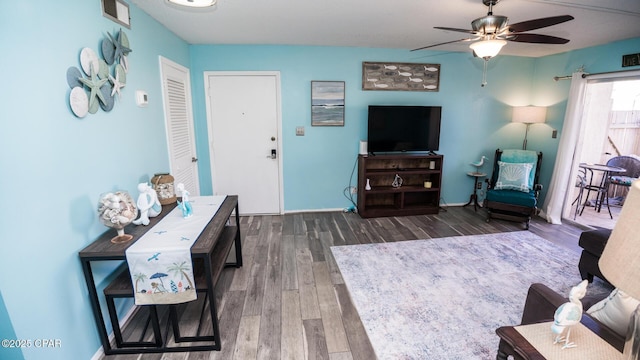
(620, 263)
(528, 115)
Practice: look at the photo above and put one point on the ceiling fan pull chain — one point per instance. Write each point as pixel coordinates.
(484, 72)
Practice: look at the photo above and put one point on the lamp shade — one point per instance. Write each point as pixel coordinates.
(487, 48)
(194, 3)
(620, 260)
(529, 114)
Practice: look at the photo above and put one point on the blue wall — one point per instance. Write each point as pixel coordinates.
(317, 166)
(55, 166)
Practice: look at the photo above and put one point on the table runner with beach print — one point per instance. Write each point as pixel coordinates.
(160, 261)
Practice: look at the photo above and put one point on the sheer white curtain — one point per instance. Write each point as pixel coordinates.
(562, 176)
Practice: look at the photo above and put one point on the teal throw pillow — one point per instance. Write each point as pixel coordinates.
(513, 176)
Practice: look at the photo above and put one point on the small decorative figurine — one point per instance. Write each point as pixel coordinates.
(568, 315)
(397, 181)
(185, 205)
(148, 204)
(479, 164)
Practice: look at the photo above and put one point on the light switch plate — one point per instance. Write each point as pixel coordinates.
(142, 99)
(299, 130)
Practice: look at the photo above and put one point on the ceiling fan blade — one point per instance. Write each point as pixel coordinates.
(537, 38)
(444, 43)
(455, 29)
(539, 23)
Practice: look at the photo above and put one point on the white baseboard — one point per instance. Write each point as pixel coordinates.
(313, 210)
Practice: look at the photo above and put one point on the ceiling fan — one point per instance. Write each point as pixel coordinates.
(496, 28)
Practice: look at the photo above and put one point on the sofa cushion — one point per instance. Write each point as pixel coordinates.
(515, 197)
(593, 241)
(615, 311)
(622, 180)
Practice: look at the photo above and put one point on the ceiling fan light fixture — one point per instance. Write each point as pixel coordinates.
(194, 3)
(487, 49)
(490, 24)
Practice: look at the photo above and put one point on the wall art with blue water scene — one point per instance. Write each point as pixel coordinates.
(327, 103)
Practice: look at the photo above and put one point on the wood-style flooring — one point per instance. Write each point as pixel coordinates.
(289, 301)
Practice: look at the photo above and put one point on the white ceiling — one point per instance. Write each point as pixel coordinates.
(402, 24)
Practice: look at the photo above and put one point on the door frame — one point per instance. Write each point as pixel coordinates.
(212, 165)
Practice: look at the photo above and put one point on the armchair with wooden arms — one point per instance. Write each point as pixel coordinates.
(512, 193)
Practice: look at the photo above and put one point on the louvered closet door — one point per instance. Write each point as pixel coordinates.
(176, 92)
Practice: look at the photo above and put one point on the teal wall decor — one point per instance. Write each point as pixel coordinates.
(104, 77)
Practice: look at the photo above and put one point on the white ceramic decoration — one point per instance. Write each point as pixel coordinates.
(119, 80)
(568, 315)
(147, 203)
(397, 181)
(79, 102)
(479, 164)
(117, 210)
(89, 59)
(185, 205)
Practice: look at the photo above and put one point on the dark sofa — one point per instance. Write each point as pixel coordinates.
(592, 242)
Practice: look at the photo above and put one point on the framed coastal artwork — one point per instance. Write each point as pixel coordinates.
(400, 76)
(327, 103)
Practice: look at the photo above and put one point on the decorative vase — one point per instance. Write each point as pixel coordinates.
(117, 210)
(368, 186)
(162, 183)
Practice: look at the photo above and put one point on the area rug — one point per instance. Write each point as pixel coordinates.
(443, 298)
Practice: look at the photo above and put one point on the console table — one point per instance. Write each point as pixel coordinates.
(211, 249)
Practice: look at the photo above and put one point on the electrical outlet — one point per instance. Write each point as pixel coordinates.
(299, 130)
(554, 134)
(479, 186)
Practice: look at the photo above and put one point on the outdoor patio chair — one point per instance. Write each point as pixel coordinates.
(632, 166)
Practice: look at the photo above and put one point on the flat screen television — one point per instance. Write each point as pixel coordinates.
(397, 128)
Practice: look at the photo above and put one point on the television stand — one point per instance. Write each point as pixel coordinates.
(418, 194)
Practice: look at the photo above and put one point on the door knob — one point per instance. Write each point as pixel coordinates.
(194, 159)
(273, 154)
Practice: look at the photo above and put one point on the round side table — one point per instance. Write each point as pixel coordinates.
(473, 199)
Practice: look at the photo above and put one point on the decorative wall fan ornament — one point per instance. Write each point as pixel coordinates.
(492, 32)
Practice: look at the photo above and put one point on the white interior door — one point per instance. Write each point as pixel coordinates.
(244, 131)
(176, 94)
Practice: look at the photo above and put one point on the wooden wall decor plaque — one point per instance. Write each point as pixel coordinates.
(400, 76)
